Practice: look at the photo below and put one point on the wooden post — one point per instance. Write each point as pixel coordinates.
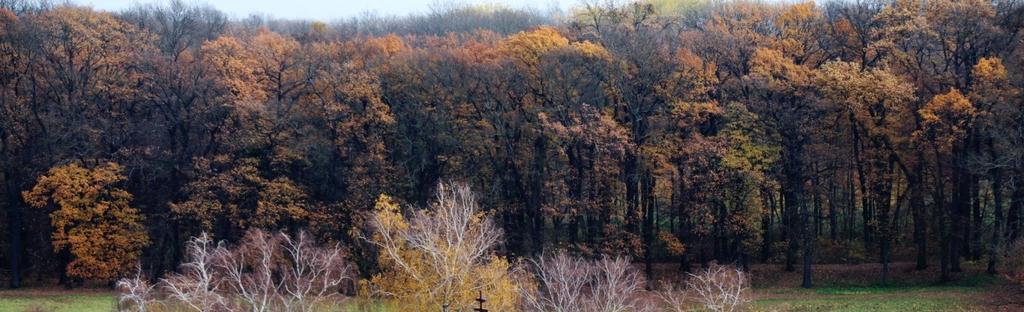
(480, 303)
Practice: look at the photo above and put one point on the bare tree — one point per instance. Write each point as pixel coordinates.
(1013, 264)
(615, 287)
(275, 272)
(264, 272)
(136, 293)
(562, 280)
(570, 284)
(721, 288)
(314, 275)
(673, 299)
(442, 246)
(248, 270)
(198, 285)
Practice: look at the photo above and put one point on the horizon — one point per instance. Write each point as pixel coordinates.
(328, 11)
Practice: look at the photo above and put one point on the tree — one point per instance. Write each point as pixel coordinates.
(945, 120)
(876, 104)
(92, 219)
(993, 95)
(230, 197)
(784, 100)
(568, 284)
(441, 257)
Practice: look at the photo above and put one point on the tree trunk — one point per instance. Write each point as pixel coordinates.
(808, 245)
(1013, 218)
(916, 184)
(997, 229)
(862, 181)
(14, 232)
(832, 211)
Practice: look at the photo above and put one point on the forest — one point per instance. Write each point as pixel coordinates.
(677, 134)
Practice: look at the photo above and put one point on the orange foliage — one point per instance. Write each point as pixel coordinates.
(92, 219)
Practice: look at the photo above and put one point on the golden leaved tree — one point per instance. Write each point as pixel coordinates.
(442, 257)
(92, 220)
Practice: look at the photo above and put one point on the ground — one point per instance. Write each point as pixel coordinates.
(838, 288)
(57, 300)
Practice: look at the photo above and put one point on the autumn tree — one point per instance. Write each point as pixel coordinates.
(784, 99)
(946, 118)
(441, 257)
(94, 225)
(876, 104)
(229, 197)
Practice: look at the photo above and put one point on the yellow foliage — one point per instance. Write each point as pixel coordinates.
(990, 69)
(235, 72)
(592, 50)
(236, 191)
(527, 47)
(946, 118)
(422, 281)
(878, 100)
(93, 219)
(673, 245)
(778, 72)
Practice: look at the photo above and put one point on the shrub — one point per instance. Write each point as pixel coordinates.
(570, 284)
(136, 293)
(264, 272)
(1013, 264)
(721, 288)
(442, 256)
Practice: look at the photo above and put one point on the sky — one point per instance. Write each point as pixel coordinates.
(328, 10)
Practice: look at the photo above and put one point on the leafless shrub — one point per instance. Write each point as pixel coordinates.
(275, 272)
(673, 299)
(1013, 264)
(616, 286)
(264, 272)
(562, 280)
(313, 274)
(248, 270)
(720, 288)
(570, 284)
(197, 286)
(136, 293)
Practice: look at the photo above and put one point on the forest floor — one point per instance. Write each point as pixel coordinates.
(848, 288)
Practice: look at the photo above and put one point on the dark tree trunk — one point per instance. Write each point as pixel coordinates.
(976, 221)
(833, 209)
(1013, 218)
(536, 193)
(866, 210)
(883, 201)
(792, 197)
(650, 224)
(997, 228)
(768, 223)
(14, 232)
(808, 244)
(959, 219)
(917, 208)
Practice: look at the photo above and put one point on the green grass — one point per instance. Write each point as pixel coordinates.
(57, 303)
(855, 304)
(956, 297)
(961, 296)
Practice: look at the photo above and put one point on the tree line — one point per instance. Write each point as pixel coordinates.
(669, 131)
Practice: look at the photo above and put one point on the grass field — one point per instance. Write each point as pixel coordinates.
(838, 288)
(56, 301)
(849, 299)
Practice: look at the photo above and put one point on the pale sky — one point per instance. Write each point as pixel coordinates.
(328, 10)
